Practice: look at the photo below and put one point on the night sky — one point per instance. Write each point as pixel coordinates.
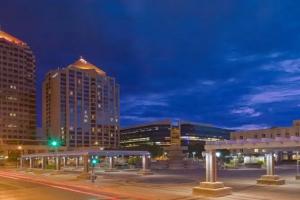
(233, 64)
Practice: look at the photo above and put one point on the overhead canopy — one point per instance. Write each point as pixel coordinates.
(264, 143)
(108, 153)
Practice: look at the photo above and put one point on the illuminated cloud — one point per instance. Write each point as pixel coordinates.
(246, 111)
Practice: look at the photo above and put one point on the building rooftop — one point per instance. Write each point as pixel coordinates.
(82, 64)
(10, 38)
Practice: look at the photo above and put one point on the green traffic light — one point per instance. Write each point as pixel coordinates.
(94, 161)
(54, 143)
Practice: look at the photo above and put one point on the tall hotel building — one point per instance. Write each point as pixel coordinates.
(81, 106)
(17, 91)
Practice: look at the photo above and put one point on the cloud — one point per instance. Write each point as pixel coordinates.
(237, 57)
(242, 58)
(134, 107)
(290, 79)
(288, 65)
(145, 100)
(162, 99)
(141, 118)
(275, 55)
(271, 94)
(249, 127)
(246, 111)
(208, 82)
(231, 80)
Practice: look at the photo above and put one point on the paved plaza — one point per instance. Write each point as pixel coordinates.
(176, 184)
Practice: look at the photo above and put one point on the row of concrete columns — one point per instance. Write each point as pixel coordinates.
(211, 165)
(212, 187)
(86, 164)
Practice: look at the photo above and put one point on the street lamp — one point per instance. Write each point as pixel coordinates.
(20, 151)
(194, 153)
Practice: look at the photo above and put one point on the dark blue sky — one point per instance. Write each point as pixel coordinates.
(230, 63)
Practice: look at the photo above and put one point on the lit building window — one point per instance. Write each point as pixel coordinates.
(12, 114)
(11, 98)
(11, 126)
(13, 87)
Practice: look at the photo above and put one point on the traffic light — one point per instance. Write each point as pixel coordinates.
(95, 160)
(54, 142)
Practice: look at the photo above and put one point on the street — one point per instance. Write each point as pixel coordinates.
(17, 189)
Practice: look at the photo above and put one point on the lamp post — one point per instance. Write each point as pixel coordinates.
(297, 165)
(193, 153)
(20, 148)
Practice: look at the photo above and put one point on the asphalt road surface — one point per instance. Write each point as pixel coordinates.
(17, 189)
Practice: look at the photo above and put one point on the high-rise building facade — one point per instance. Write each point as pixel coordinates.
(81, 106)
(17, 89)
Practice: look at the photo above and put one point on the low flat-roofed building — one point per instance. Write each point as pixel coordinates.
(158, 133)
(268, 133)
(272, 133)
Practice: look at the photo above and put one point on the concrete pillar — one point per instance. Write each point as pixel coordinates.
(65, 161)
(298, 167)
(111, 162)
(211, 187)
(30, 163)
(211, 166)
(85, 173)
(145, 163)
(77, 162)
(21, 162)
(44, 163)
(111, 165)
(270, 178)
(270, 164)
(85, 163)
(57, 162)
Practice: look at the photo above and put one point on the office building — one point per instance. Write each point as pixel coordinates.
(17, 89)
(159, 133)
(81, 106)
